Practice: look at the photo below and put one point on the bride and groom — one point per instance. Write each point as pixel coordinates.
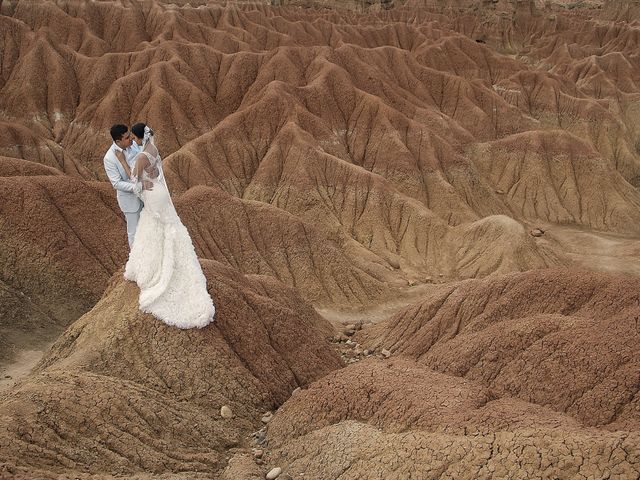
(162, 260)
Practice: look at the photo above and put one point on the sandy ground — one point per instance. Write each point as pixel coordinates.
(20, 366)
(375, 313)
(600, 251)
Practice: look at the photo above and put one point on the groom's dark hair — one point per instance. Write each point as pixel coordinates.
(117, 131)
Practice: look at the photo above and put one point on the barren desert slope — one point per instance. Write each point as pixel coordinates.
(419, 221)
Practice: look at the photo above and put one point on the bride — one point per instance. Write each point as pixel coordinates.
(163, 261)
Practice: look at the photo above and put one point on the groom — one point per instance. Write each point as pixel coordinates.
(128, 202)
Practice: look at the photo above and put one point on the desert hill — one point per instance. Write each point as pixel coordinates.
(118, 374)
(458, 180)
(520, 375)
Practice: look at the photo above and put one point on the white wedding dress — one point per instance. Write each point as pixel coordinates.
(162, 260)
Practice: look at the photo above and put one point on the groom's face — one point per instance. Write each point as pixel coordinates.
(125, 141)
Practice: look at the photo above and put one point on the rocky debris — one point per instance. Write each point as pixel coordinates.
(274, 473)
(260, 437)
(257, 453)
(340, 337)
(350, 330)
(225, 412)
(537, 232)
(351, 351)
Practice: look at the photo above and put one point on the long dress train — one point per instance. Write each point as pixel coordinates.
(163, 261)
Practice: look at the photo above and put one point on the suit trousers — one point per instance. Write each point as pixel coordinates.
(132, 224)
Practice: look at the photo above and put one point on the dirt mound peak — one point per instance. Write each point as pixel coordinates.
(117, 369)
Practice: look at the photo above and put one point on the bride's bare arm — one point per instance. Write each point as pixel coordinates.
(142, 162)
(123, 162)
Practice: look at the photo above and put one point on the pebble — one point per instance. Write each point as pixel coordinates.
(225, 412)
(274, 473)
(261, 437)
(296, 391)
(266, 418)
(386, 353)
(257, 453)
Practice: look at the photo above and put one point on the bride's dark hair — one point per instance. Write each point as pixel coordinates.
(138, 130)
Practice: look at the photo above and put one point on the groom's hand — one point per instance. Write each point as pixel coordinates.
(147, 185)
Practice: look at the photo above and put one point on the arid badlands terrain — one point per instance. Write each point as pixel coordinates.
(420, 224)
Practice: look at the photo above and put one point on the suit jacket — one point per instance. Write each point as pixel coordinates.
(127, 200)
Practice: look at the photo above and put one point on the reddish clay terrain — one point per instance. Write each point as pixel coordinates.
(457, 179)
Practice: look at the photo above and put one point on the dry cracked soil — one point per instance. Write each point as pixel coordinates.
(419, 221)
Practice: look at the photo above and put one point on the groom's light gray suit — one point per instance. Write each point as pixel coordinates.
(129, 203)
